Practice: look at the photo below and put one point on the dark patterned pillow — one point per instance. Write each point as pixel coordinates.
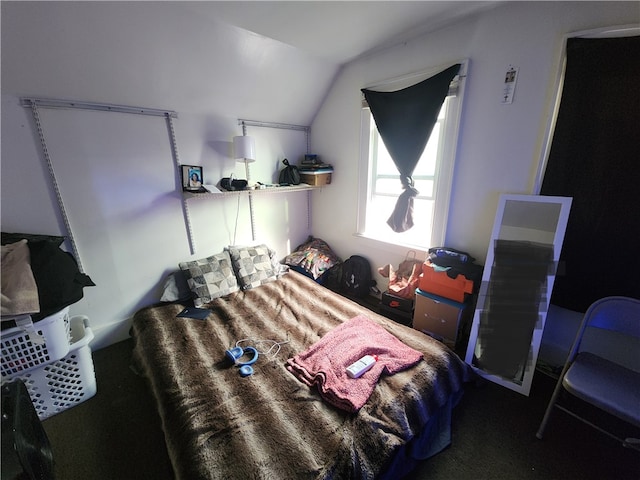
(253, 265)
(176, 288)
(210, 278)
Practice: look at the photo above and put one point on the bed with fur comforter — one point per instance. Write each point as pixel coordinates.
(270, 425)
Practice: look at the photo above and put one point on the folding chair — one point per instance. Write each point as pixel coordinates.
(607, 378)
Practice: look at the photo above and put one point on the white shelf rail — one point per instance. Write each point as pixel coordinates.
(35, 104)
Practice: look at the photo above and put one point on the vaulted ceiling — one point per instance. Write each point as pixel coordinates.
(266, 60)
(339, 31)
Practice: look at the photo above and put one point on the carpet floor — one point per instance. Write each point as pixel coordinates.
(117, 435)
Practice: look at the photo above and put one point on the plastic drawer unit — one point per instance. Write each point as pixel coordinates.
(437, 316)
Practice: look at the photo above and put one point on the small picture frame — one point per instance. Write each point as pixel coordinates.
(192, 179)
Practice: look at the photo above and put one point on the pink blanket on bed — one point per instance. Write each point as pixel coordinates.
(324, 364)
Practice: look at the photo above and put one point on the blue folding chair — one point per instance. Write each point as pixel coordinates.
(603, 366)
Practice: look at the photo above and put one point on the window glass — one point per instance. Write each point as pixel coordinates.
(432, 178)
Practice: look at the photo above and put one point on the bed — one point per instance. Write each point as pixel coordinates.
(270, 425)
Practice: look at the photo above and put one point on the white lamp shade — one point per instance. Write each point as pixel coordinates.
(244, 148)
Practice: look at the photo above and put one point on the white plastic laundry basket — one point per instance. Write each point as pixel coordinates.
(27, 347)
(62, 384)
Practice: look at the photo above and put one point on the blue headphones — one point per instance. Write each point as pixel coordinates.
(234, 354)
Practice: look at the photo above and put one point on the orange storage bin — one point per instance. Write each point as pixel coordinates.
(439, 283)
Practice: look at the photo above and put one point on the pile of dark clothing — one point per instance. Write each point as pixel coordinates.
(456, 262)
(38, 277)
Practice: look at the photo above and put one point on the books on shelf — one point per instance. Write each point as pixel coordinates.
(318, 168)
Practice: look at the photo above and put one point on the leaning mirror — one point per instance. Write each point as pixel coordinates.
(516, 287)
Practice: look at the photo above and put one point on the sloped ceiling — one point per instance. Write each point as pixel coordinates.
(241, 59)
(339, 31)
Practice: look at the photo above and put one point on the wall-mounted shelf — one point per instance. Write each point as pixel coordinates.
(293, 188)
(250, 192)
(186, 196)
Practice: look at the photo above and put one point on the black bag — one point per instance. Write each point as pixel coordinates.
(458, 262)
(333, 278)
(289, 174)
(26, 451)
(448, 257)
(356, 277)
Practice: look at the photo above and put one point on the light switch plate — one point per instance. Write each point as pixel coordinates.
(510, 79)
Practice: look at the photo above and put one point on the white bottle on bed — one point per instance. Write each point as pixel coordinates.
(356, 369)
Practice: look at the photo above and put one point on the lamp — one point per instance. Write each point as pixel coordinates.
(244, 149)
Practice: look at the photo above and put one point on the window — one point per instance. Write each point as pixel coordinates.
(432, 176)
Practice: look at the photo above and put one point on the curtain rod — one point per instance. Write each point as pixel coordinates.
(105, 107)
(426, 73)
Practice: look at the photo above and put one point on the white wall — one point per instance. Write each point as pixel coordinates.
(165, 55)
(500, 146)
(116, 171)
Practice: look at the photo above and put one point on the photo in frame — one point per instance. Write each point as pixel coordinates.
(192, 179)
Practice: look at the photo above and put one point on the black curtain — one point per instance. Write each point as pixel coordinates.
(595, 158)
(405, 119)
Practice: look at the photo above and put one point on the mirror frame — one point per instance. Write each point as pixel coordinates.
(530, 229)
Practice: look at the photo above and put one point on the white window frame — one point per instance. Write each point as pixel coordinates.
(445, 165)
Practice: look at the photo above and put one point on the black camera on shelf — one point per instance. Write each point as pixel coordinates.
(232, 184)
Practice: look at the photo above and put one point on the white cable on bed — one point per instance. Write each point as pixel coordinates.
(267, 352)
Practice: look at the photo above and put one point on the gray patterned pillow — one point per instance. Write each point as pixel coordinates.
(210, 278)
(253, 265)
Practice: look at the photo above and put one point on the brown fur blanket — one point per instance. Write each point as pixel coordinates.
(219, 425)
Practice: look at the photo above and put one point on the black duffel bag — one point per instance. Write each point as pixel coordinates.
(289, 174)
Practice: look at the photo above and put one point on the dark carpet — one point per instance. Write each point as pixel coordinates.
(116, 435)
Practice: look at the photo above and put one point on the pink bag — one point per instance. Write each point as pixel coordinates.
(404, 281)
